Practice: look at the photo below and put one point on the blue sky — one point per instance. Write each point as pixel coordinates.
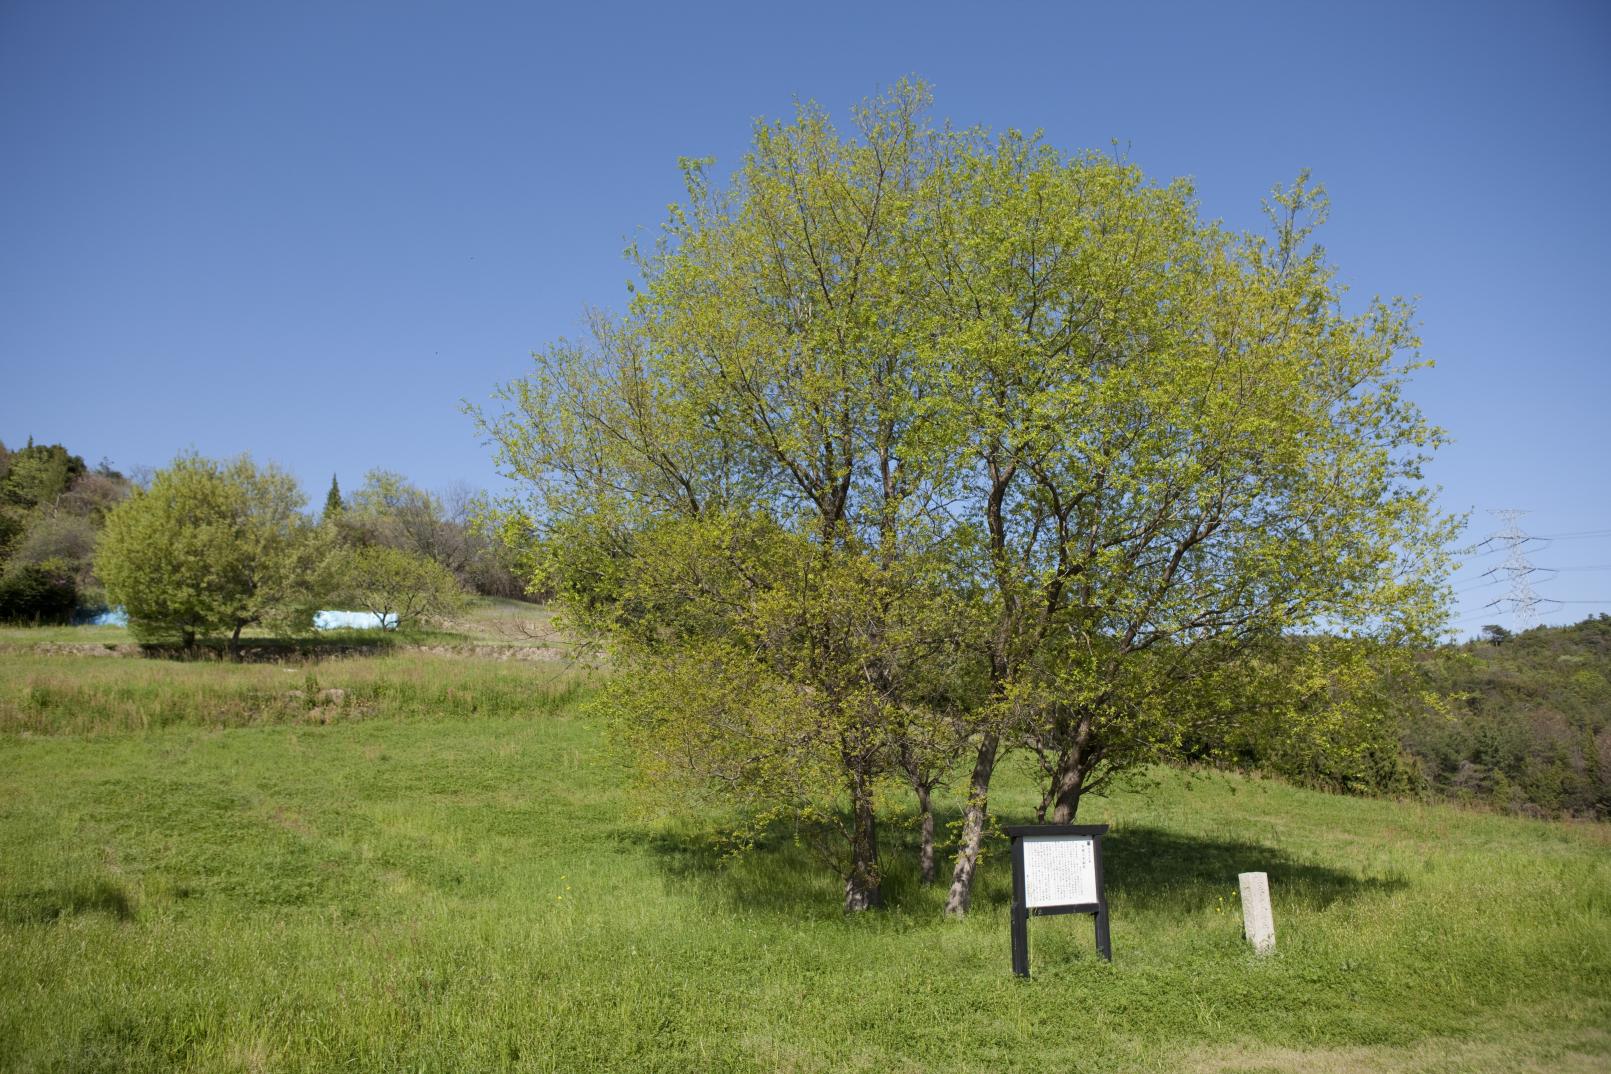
(308, 232)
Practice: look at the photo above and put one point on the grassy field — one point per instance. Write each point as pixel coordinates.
(429, 863)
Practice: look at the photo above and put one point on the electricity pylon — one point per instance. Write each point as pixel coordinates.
(1523, 600)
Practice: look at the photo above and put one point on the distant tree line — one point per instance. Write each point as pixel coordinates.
(206, 548)
(1520, 722)
(1526, 724)
(388, 511)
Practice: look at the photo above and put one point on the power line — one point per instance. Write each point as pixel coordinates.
(1573, 536)
(1473, 554)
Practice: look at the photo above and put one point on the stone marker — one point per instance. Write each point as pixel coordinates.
(1258, 923)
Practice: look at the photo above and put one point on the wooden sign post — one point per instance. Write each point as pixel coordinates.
(1056, 869)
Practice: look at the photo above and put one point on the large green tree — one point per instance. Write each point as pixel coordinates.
(920, 440)
(211, 548)
(1182, 447)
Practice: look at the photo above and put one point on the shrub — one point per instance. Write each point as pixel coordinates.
(37, 593)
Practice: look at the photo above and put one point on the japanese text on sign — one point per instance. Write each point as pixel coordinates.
(1059, 870)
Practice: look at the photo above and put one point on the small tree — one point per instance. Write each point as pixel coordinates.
(212, 548)
(389, 510)
(390, 582)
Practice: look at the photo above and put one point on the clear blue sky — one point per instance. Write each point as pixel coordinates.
(308, 231)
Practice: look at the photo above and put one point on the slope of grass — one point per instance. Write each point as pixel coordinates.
(430, 885)
(49, 694)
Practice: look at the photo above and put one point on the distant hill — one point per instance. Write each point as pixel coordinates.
(1529, 728)
(52, 508)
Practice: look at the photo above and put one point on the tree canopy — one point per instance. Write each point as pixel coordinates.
(212, 548)
(402, 589)
(920, 441)
(389, 511)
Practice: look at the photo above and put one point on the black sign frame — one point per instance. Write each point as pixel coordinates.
(1021, 911)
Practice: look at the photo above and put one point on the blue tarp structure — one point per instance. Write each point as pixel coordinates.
(330, 620)
(353, 621)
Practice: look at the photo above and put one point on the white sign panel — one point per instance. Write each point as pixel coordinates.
(1059, 870)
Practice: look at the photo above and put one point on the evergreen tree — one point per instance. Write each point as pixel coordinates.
(332, 500)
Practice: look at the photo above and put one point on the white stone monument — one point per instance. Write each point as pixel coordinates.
(1258, 922)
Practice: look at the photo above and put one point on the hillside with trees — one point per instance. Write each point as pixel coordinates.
(1527, 725)
(52, 509)
(388, 511)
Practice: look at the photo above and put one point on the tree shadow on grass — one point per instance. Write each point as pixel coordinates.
(67, 899)
(776, 874)
(1157, 869)
(294, 650)
(1145, 869)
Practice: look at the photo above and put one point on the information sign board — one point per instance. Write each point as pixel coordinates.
(1059, 870)
(1056, 869)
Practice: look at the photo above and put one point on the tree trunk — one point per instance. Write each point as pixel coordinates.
(235, 642)
(862, 890)
(973, 827)
(1069, 779)
(925, 853)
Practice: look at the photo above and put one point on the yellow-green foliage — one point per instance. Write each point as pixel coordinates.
(212, 548)
(921, 398)
(391, 582)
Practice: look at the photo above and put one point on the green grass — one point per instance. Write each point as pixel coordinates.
(452, 875)
(12, 637)
(42, 693)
